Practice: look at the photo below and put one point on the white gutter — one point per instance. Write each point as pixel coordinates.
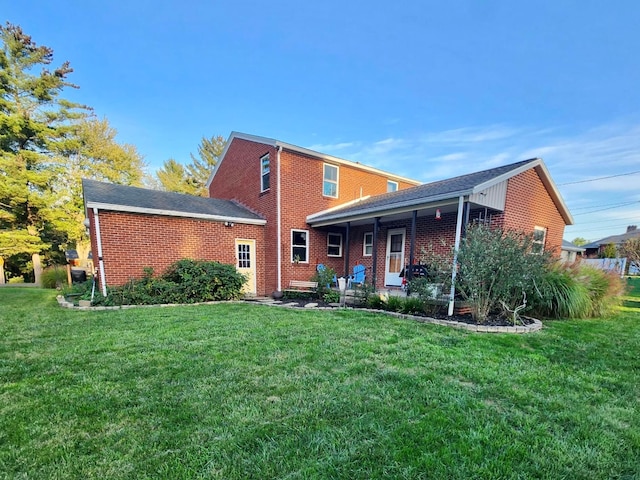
(456, 247)
(103, 281)
(279, 225)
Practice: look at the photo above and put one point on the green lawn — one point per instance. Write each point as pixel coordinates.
(243, 391)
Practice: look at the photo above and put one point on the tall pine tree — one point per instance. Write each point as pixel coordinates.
(36, 126)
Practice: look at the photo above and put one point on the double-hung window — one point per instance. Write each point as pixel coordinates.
(265, 169)
(392, 186)
(539, 238)
(367, 244)
(330, 181)
(334, 245)
(299, 246)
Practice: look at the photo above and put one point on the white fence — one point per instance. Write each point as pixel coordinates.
(615, 265)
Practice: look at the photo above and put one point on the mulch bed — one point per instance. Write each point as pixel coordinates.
(493, 320)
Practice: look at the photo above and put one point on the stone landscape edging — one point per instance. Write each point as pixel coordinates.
(518, 329)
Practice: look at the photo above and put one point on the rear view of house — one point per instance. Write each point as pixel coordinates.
(279, 210)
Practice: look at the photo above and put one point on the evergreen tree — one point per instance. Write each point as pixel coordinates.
(36, 129)
(200, 168)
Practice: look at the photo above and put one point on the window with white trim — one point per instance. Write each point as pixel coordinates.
(265, 170)
(334, 244)
(392, 186)
(367, 244)
(299, 246)
(539, 238)
(330, 181)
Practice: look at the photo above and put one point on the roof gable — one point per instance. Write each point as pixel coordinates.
(124, 198)
(304, 151)
(446, 190)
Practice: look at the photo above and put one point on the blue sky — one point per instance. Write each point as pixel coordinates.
(424, 89)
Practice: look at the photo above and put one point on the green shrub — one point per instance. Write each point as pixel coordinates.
(324, 277)
(496, 269)
(331, 296)
(54, 277)
(394, 304)
(185, 281)
(412, 306)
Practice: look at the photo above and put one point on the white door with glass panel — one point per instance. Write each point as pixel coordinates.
(246, 264)
(395, 257)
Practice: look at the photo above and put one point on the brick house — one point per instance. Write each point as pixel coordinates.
(301, 208)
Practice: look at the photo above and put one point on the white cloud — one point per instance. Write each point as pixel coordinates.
(594, 153)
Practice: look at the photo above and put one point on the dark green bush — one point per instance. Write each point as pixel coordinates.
(412, 306)
(186, 281)
(55, 277)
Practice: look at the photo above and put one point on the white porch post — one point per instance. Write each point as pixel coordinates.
(455, 254)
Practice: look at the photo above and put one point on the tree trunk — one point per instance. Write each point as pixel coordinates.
(2, 280)
(37, 268)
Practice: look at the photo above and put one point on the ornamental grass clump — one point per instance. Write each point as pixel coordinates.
(577, 291)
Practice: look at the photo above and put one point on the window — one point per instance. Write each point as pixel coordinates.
(330, 183)
(392, 186)
(299, 246)
(264, 172)
(334, 245)
(367, 244)
(539, 237)
(244, 255)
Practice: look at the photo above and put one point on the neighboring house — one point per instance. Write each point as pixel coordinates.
(301, 208)
(594, 249)
(570, 252)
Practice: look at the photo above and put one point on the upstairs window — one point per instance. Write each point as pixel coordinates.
(330, 182)
(539, 238)
(367, 245)
(264, 173)
(299, 246)
(392, 186)
(334, 245)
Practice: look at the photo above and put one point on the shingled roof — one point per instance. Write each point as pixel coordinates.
(108, 196)
(443, 190)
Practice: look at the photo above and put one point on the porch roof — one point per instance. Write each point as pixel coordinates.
(442, 194)
(124, 198)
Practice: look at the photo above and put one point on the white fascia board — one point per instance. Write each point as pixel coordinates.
(545, 176)
(174, 213)
(342, 161)
(312, 153)
(408, 206)
(506, 176)
(339, 207)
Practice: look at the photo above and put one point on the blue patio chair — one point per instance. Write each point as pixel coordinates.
(358, 276)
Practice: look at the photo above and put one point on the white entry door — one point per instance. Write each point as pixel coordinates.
(246, 263)
(395, 257)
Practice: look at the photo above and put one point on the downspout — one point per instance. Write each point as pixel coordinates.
(279, 225)
(103, 281)
(455, 254)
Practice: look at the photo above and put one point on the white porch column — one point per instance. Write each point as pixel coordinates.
(454, 268)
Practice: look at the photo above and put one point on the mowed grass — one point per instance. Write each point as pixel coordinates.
(243, 391)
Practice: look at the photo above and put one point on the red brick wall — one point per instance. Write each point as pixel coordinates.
(238, 178)
(131, 242)
(529, 205)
